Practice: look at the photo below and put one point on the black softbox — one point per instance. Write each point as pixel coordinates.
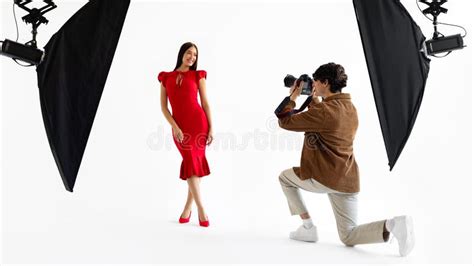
(397, 67)
(72, 76)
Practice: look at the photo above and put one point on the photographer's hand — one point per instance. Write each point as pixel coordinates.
(295, 91)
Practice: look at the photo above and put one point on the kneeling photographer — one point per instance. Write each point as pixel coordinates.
(327, 161)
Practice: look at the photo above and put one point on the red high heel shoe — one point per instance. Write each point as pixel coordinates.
(204, 223)
(184, 220)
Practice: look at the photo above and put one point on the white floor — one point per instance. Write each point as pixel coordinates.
(135, 240)
(81, 231)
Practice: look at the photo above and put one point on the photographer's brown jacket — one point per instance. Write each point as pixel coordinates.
(330, 127)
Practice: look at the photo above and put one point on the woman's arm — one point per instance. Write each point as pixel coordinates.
(166, 112)
(205, 106)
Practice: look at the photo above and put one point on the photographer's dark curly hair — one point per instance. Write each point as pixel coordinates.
(334, 74)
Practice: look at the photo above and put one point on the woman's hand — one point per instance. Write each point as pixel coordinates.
(210, 137)
(296, 91)
(178, 134)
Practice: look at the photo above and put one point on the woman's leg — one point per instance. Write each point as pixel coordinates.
(188, 206)
(193, 183)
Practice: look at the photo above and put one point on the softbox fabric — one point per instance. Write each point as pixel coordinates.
(397, 68)
(72, 76)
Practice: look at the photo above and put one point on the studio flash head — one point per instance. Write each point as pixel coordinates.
(23, 52)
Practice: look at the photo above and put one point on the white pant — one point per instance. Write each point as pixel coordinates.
(344, 206)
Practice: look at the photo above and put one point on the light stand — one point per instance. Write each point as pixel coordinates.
(29, 51)
(440, 43)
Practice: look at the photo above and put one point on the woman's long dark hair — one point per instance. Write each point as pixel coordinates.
(183, 50)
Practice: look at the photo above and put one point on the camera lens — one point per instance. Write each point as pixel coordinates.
(289, 80)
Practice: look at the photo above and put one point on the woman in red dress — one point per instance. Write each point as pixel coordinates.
(190, 122)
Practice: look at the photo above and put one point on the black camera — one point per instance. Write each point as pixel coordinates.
(289, 80)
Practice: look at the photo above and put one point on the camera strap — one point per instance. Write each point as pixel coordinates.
(305, 104)
(281, 106)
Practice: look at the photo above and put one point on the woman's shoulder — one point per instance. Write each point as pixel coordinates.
(201, 73)
(163, 75)
(166, 73)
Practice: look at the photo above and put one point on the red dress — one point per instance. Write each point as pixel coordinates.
(182, 89)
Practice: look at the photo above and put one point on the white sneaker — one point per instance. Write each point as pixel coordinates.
(403, 231)
(303, 234)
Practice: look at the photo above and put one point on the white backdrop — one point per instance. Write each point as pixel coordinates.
(128, 195)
